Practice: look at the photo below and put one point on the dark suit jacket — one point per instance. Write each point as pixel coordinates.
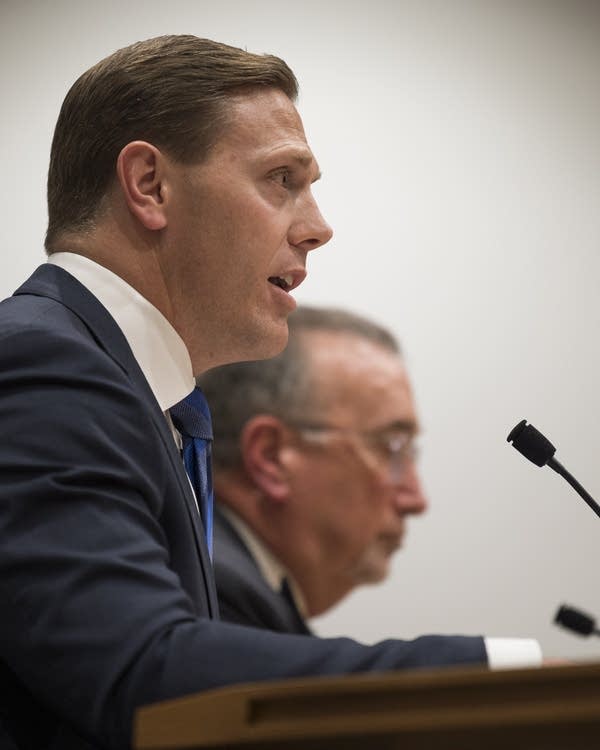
(244, 595)
(107, 600)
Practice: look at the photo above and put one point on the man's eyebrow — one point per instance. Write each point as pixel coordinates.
(402, 425)
(305, 159)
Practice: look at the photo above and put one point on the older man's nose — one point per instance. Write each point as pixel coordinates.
(409, 497)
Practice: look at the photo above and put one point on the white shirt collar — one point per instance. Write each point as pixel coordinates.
(158, 348)
(269, 566)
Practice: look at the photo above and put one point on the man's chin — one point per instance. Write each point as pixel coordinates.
(372, 572)
(273, 340)
(259, 339)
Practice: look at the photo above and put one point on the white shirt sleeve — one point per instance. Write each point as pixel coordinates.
(512, 653)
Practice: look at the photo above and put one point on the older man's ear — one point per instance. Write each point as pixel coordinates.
(264, 442)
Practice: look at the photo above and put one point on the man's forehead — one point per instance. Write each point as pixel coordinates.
(350, 370)
(352, 351)
(267, 120)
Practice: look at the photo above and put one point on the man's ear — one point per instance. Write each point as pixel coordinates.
(140, 168)
(262, 442)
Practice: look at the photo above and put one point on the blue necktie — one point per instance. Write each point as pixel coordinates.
(192, 418)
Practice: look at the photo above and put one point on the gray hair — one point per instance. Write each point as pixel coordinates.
(282, 386)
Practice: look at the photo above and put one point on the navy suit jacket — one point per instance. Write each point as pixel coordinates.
(244, 595)
(107, 597)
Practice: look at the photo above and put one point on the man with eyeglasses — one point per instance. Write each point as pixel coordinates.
(314, 469)
(315, 473)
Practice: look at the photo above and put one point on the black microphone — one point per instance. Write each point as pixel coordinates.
(575, 620)
(540, 451)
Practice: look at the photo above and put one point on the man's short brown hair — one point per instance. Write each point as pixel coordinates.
(170, 91)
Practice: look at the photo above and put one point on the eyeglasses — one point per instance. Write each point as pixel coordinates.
(390, 446)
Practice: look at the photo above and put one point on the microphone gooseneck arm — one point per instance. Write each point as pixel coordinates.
(581, 491)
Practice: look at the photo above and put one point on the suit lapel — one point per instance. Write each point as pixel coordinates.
(284, 612)
(57, 284)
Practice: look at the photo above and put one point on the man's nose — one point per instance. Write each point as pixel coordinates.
(409, 497)
(310, 230)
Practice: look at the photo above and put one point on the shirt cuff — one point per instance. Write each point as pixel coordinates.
(511, 653)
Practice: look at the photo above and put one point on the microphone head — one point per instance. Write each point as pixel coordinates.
(575, 620)
(531, 443)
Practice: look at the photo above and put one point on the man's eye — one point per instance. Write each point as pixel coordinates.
(282, 177)
(399, 443)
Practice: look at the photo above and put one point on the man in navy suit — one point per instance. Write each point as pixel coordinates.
(315, 469)
(180, 218)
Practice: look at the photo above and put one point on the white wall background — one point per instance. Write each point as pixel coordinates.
(460, 148)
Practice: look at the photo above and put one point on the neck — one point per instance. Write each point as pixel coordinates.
(138, 262)
(321, 592)
(321, 586)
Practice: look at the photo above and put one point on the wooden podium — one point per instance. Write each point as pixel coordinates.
(555, 708)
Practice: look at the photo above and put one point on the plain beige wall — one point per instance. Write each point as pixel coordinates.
(459, 143)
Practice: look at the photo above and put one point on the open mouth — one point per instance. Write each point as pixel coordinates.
(283, 282)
